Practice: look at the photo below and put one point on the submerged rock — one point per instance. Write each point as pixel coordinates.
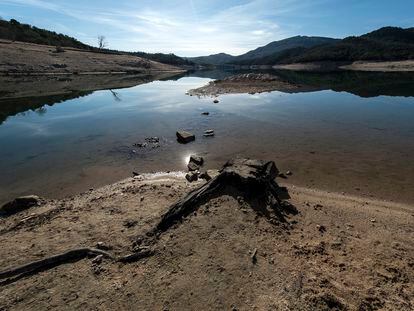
(19, 204)
(208, 133)
(185, 137)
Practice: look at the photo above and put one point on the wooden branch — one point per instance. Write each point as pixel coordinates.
(53, 261)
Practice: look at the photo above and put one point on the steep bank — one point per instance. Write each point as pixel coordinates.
(27, 58)
(338, 252)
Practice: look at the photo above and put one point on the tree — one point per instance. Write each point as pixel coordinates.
(102, 42)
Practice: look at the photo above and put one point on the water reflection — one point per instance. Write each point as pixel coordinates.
(80, 137)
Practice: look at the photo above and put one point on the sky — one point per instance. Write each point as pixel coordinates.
(196, 27)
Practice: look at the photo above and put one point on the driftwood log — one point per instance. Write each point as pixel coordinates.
(253, 178)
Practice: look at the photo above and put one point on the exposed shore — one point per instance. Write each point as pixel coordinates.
(249, 83)
(349, 252)
(395, 66)
(33, 59)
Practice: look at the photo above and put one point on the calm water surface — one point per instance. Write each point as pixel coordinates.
(350, 134)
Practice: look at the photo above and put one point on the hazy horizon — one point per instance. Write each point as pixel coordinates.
(195, 27)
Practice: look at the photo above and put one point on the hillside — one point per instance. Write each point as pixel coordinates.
(264, 51)
(284, 45)
(385, 44)
(14, 31)
(28, 58)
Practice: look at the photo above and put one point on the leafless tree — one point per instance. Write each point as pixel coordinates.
(102, 42)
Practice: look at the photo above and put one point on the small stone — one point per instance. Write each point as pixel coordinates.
(102, 246)
(205, 113)
(289, 173)
(204, 175)
(321, 228)
(141, 199)
(216, 101)
(191, 176)
(212, 173)
(254, 256)
(129, 223)
(373, 220)
(135, 174)
(97, 260)
(193, 166)
(185, 137)
(197, 160)
(208, 133)
(19, 204)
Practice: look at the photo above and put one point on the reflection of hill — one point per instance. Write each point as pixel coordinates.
(19, 94)
(11, 107)
(363, 84)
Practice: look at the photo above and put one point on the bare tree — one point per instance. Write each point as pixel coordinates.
(102, 42)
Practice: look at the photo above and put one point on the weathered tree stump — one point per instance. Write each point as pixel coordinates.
(253, 178)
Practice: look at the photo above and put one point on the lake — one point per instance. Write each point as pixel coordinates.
(348, 132)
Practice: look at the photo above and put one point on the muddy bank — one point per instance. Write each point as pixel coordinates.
(226, 254)
(27, 58)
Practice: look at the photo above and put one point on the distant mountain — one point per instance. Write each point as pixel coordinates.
(385, 44)
(269, 49)
(15, 31)
(286, 44)
(215, 59)
(170, 59)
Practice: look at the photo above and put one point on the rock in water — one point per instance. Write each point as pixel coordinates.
(197, 160)
(20, 204)
(208, 133)
(193, 166)
(216, 101)
(185, 137)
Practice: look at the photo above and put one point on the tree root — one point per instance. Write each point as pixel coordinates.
(70, 256)
(253, 178)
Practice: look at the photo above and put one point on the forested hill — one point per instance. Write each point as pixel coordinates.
(385, 44)
(15, 31)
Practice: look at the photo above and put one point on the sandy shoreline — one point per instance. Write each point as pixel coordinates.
(340, 250)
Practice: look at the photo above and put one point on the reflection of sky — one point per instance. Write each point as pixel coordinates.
(98, 130)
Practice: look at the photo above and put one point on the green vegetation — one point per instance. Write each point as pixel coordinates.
(15, 31)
